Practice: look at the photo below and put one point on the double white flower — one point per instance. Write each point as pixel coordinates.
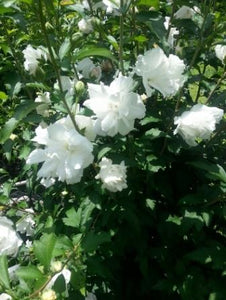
(199, 122)
(65, 155)
(113, 176)
(160, 72)
(116, 107)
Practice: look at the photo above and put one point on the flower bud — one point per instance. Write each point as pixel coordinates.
(79, 87)
(48, 295)
(56, 266)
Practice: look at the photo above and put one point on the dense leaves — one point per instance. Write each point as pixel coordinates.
(162, 237)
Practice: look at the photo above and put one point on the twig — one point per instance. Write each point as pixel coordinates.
(42, 21)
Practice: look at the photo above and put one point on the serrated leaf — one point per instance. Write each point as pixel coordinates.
(73, 217)
(44, 248)
(4, 274)
(63, 243)
(29, 273)
(64, 48)
(94, 51)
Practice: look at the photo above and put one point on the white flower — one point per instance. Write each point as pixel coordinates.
(28, 244)
(5, 296)
(116, 107)
(220, 51)
(113, 176)
(173, 31)
(49, 295)
(88, 69)
(65, 273)
(112, 5)
(26, 223)
(65, 155)
(10, 242)
(32, 57)
(88, 125)
(85, 25)
(199, 122)
(160, 72)
(44, 99)
(186, 12)
(91, 296)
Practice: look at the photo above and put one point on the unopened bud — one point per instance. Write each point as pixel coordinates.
(79, 87)
(56, 266)
(48, 295)
(13, 136)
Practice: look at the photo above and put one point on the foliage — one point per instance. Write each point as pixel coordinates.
(162, 237)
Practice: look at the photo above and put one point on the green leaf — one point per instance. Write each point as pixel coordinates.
(4, 10)
(94, 51)
(73, 217)
(38, 85)
(60, 284)
(63, 243)
(214, 171)
(155, 133)
(4, 274)
(64, 48)
(174, 219)
(150, 203)
(148, 120)
(21, 112)
(87, 208)
(102, 152)
(3, 96)
(29, 273)
(78, 279)
(44, 249)
(92, 240)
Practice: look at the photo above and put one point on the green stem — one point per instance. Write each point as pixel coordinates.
(90, 6)
(201, 39)
(216, 86)
(199, 87)
(170, 21)
(121, 38)
(53, 61)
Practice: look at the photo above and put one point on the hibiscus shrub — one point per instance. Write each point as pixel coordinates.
(113, 149)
